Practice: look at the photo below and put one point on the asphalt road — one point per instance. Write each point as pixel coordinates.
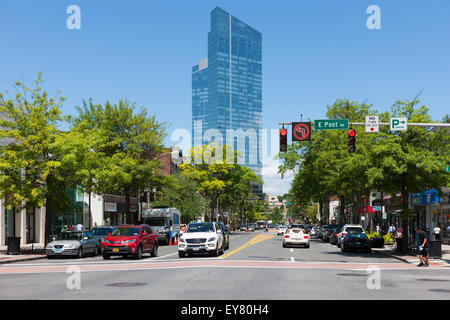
(255, 267)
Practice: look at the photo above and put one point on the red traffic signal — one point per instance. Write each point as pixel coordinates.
(283, 140)
(351, 140)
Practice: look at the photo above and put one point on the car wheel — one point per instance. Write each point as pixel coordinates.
(284, 245)
(307, 246)
(369, 250)
(80, 253)
(181, 254)
(154, 252)
(215, 253)
(106, 257)
(138, 254)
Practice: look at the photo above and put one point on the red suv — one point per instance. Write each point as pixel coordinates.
(130, 240)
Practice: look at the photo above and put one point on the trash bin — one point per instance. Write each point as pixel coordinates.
(435, 249)
(402, 246)
(13, 245)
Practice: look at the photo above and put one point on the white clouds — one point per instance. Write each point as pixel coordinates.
(273, 184)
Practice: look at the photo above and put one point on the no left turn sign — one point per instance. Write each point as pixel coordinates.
(301, 131)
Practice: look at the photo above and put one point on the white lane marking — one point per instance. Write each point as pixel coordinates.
(292, 259)
(292, 250)
(167, 255)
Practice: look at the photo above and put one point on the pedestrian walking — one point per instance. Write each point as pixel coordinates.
(80, 227)
(423, 251)
(437, 232)
(378, 228)
(391, 229)
(63, 228)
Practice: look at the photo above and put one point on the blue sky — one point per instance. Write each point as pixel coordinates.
(314, 52)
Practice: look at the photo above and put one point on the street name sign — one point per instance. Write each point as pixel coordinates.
(399, 124)
(372, 124)
(331, 124)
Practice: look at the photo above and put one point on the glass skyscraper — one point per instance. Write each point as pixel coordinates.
(227, 89)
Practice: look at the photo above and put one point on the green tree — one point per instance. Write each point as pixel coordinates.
(33, 170)
(124, 145)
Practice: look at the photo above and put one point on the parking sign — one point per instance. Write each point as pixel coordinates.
(372, 124)
(399, 124)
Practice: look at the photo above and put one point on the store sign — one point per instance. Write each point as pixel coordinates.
(110, 207)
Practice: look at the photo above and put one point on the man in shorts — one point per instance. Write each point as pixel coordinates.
(423, 251)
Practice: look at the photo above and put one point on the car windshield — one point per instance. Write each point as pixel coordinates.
(126, 232)
(156, 222)
(353, 230)
(200, 227)
(69, 236)
(101, 231)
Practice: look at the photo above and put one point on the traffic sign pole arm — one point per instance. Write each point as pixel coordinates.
(441, 125)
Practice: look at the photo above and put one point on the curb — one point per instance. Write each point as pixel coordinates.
(383, 252)
(20, 260)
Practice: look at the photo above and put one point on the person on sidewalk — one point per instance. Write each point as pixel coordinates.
(391, 229)
(437, 232)
(423, 252)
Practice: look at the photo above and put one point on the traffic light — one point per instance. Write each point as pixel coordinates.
(283, 140)
(351, 140)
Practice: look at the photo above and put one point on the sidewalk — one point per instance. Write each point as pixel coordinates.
(389, 250)
(10, 258)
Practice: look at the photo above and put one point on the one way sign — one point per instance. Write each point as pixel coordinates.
(399, 124)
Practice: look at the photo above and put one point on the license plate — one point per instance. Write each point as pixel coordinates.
(115, 250)
(58, 250)
(196, 248)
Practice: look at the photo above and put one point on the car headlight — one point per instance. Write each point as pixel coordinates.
(69, 246)
(212, 239)
(129, 241)
(49, 246)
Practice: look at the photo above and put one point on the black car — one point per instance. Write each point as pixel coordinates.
(101, 232)
(334, 232)
(357, 242)
(226, 235)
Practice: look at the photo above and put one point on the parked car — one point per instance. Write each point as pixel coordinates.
(334, 232)
(349, 228)
(226, 235)
(203, 237)
(356, 241)
(296, 237)
(243, 227)
(251, 227)
(323, 230)
(281, 230)
(131, 240)
(101, 232)
(72, 243)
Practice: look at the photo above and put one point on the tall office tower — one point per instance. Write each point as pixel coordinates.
(229, 104)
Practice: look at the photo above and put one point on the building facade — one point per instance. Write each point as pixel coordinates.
(227, 90)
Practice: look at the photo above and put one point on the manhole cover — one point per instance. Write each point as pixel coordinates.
(351, 274)
(126, 284)
(433, 280)
(440, 290)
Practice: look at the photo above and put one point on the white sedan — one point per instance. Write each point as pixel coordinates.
(281, 230)
(296, 237)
